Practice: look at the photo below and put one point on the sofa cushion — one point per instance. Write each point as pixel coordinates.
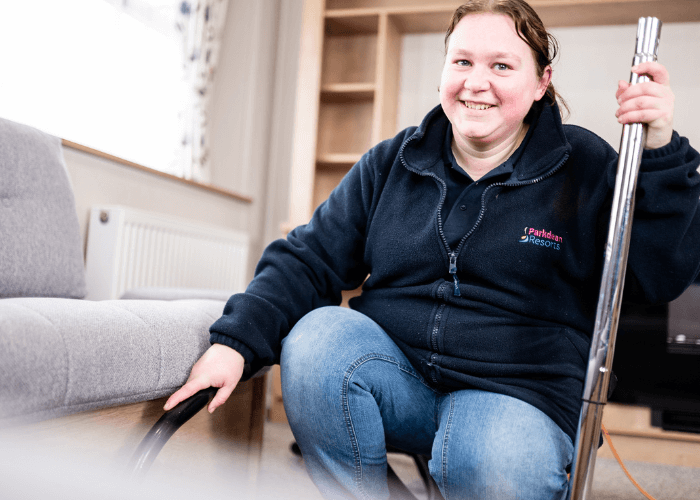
(41, 250)
(62, 356)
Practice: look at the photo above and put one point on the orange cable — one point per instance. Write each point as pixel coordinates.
(619, 460)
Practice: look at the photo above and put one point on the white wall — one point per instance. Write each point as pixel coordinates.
(591, 61)
(422, 58)
(252, 109)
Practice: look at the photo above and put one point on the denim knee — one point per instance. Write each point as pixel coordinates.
(334, 418)
(312, 348)
(491, 446)
(317, 353)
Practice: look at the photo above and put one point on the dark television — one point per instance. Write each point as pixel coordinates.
(657, 360)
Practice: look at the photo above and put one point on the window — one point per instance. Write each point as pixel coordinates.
(107, 74)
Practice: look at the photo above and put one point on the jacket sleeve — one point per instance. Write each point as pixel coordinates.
(307, 270)
(664, 255)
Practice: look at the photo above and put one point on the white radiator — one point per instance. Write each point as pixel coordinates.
(130, 248)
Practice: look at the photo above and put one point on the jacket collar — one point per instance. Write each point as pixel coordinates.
(547, 145)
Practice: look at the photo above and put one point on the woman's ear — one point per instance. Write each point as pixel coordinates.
(545, 79)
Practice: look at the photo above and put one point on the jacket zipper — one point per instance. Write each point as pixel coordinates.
(431, 364)
(453, 272)
(453, 259)
(454, 254)
(438, 318)
(512, 184)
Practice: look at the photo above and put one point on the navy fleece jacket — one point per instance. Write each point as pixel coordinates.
(511, 308)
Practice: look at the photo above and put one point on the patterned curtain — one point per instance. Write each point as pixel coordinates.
(200, 24)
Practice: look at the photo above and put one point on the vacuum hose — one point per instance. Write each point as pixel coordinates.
(165, 427)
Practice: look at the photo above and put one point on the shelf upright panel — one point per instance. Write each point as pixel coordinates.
(387, 80)
(306, 115)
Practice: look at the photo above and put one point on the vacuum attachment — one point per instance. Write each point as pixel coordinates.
(600, 360)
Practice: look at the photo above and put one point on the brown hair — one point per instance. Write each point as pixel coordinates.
(529, 27)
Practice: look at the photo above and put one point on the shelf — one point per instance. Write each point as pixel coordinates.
(347, 92)
(635, 438)
(348, 88)
(613, 12)
(416, 16)
(635, 421)
(352, 22)
(384, 5)
(433, 19)
(417, 19)
(338, 160)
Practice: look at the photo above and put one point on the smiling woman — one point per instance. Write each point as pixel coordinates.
(465, 345)
(489, 84)
(106, 74)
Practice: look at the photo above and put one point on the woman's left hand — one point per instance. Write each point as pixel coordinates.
(650, 102)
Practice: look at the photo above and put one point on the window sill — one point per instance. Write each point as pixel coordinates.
(121, 161)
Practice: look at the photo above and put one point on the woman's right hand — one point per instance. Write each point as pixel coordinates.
(221, 367)
(651, 103)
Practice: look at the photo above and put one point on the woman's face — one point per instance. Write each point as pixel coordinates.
(489, 81)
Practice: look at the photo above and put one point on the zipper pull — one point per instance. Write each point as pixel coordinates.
(453, 272)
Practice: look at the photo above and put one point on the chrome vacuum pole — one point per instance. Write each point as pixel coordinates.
(600, 360)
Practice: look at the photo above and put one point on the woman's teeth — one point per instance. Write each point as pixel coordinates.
(477, 106)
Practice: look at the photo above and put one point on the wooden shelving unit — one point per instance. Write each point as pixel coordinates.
(359, 82)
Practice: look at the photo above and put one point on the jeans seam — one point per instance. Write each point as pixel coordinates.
(346, 407)
(448, 426)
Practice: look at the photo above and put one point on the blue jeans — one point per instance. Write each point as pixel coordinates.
(349, 392)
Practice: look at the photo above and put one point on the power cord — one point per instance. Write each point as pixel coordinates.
(619, 460)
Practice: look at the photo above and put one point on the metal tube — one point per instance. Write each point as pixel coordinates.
(595, 393)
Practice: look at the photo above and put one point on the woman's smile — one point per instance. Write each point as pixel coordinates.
(477, 106)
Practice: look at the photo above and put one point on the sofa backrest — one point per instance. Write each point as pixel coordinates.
(40, 244)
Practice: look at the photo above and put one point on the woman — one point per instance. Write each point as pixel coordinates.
(482, 232)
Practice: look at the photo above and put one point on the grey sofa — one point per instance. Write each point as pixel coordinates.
(60, 354)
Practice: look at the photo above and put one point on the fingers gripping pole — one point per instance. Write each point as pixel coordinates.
(595, 392)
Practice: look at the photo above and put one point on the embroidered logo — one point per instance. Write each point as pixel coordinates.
(542, 237)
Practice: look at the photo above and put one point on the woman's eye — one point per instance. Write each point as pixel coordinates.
(501, 66)
(463, 62)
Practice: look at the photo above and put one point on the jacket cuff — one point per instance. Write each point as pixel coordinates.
(656, 159)
(242, 349)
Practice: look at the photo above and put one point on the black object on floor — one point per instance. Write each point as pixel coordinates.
(165, 427)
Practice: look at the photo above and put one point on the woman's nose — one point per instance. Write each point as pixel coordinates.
(477, 80)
